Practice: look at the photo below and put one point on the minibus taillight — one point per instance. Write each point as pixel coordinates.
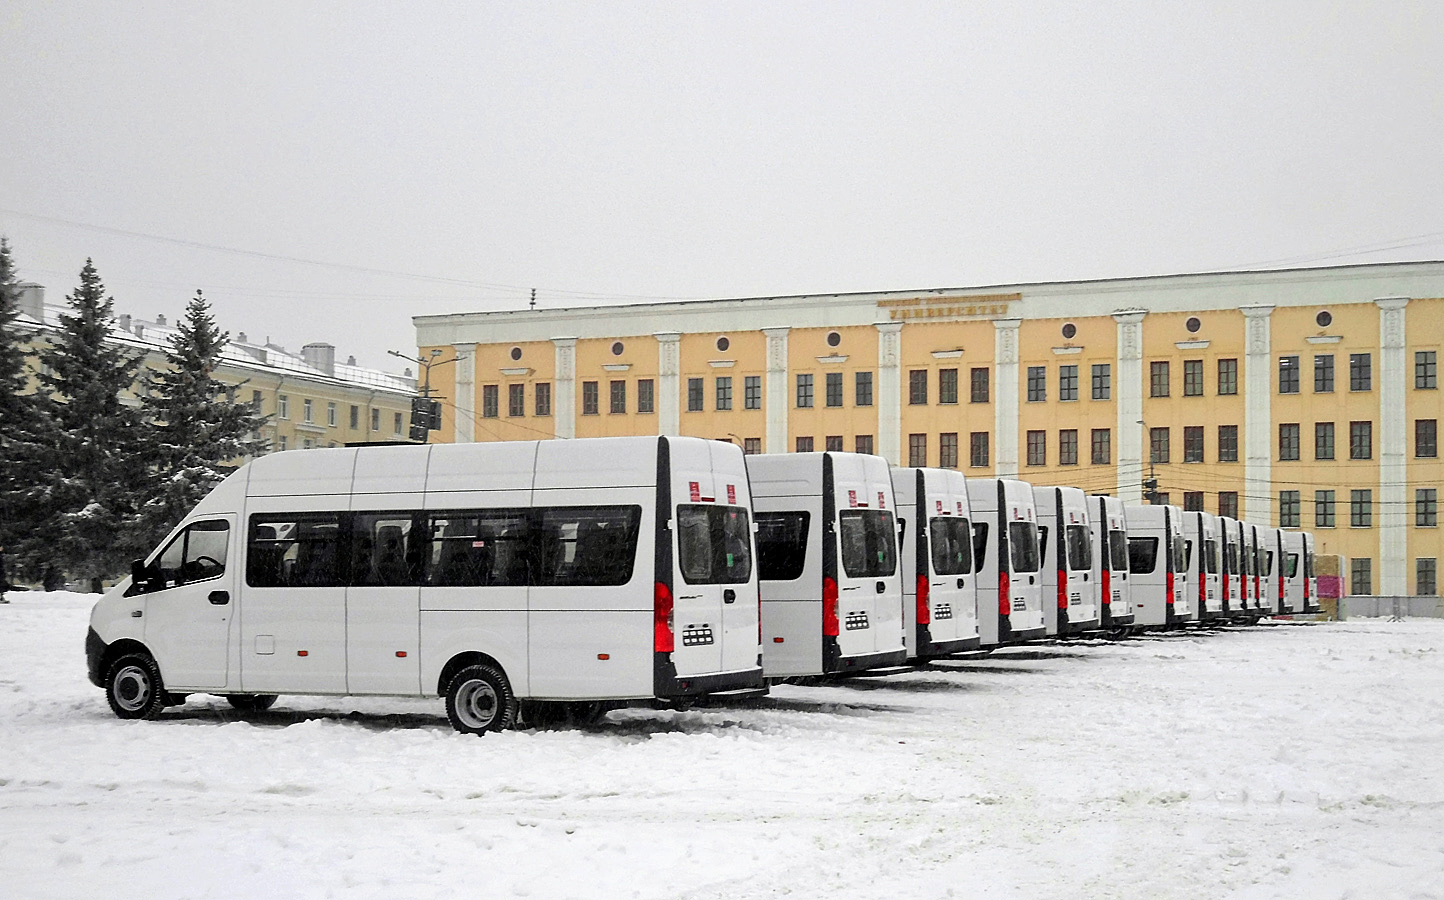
(1062, 588)
(925, 608)
(1170, 588)
(829, 606)
(1202, 589)
(1306, 590)
(1107, 587)
(662, 638)
(1005, 593)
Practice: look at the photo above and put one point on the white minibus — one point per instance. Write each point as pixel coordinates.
(1110, 562)
(1231, 578)
(1069, 593)
(1006, 559)
(940, 601)
(1200, 542)
(1271, 570)
(827, 551)
(599, 570)
(1156, 565)
(1253, 569)
(1301, 590)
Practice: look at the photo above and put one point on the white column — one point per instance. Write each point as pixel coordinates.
(1128, 394)
(1394, 500)
(1258, 426)
(1005, 404)
(464, 423)
(779, 398)
(564, 392)
(889, 391)
(669, 387)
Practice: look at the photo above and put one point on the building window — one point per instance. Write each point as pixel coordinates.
(1228, 504)
(751, 446)
(1037, 448)
(256, 404)
(1193, 443)
(1361, 576)
(1426, 507)
(646, 395)
(491, 400)
(804, 445)
(591, 400)
(375, 420)
(396, 423)
(331, 415)
(1037, 384)
(516, 400)
(618, 397)
(1426, 370)
(283, 406)
(281, 442)
(1102, 446)
(1361, 372)
(1289, 506)
(978, 449)
(1426, 577)
(804, 392)
(1361, 509)
(1323, 509)
(979, 387)
(834, 388)
(1067, 382)
(918, 387)
(306, 413)
(1158, 379)
(833, 443)
(1158, 445)
(543, 398)
(863, 444)
(1288, 374)
(1361, 440)
(1324, 373)
(1102, 381)
(1228, 443)
(948, 386)
(355, 417)
(917, 449)
(1193, 378)
(948, 450)
(862, 389)
(1193, 501)
(724, 392)
(1323, 440)
(1426, 438)
(1162, 499)
(695, 389)
(1228, 376)
(1288, 440)
(752, 392)
(1068, 447)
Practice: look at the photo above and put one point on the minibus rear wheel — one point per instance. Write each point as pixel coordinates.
(133, 687)
(251, 703)
(479, 699)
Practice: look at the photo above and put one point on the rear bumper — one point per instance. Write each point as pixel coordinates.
(694, 685)
(944, 648)
(1082, 626)
(1028, 634)
(865, 661)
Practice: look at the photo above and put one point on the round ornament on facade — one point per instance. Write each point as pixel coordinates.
(1193, 324)
(617, 348)
(516, 353)
(723, 344)
(1324, 318)
(1069, 330)
(833, 339)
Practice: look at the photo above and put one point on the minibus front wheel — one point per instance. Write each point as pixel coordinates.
(479, 699)
(133, 687)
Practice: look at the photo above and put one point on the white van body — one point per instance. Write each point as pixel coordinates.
(940, 599)
(1271, 578)
(1007, 561)
(832, 594)
(1231, 576)
(1110, 561)
(1301, 589)
(604, 569)
(1069, 591)
(1201, 552)
(1156, 565)
(1253, 541)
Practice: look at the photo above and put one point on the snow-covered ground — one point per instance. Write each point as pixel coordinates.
(1284, 761)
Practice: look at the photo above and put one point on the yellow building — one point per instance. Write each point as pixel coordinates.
(308, 399)
(1307, 397)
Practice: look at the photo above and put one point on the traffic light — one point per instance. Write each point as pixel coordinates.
(1150, 489)
(425, 417)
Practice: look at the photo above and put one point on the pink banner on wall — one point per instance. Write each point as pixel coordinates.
(1331, 586)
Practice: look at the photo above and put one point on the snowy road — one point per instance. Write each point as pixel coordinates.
(1288, 761)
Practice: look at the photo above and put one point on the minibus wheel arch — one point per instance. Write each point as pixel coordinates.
(461, 661)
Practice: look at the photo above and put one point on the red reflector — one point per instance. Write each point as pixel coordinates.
(777, 640)
(1062, 588)
(925, 607)
(1170, 589)
(400, 654)
(303, 652)
(1005, 592)
(662, 639)
(829, 607)
(604, 656)
(1107, 599)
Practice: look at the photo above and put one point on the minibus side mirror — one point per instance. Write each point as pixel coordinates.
(139, 576)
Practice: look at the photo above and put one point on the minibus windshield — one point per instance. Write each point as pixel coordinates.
(1023, 539)
(1118, 550)
(952, 545)
(781, 545)
(869, 543)
(1080, 548)
(714, 544)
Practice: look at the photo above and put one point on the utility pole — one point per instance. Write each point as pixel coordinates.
(425, 412)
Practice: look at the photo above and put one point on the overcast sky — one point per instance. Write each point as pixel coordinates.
(327, 171)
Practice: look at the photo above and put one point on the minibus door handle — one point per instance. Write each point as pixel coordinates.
(960, 582)
(219, 598)
(882, 587)
(729, 596)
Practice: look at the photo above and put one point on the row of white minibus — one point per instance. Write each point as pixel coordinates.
(535, 577)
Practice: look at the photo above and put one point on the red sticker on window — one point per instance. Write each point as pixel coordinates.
(852, 499)
(732, 494)
(696, 490)
(960, 507)
(881, 503)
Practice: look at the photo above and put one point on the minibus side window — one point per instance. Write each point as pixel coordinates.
(1080, 548)
(1187, 554)
(781, 545)
(1292, 564)
(1230, 557)
(869, 542)
(470, 548)
(1023, 539)
(196, 554)
(1180, 560)
(1142, 554)
(1210, 556)
(385, 550)
(980, 545)
(714, 544)
(1118, 550)
(952, 546)
(289, 550)
(585, 546)
(1268, 568)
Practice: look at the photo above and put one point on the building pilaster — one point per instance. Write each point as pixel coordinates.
(778, 399)
(1005, 407)
(889, 391)
(669, 382)
(1394, 499)
(564, 395)
(464, 423)
(1128, 394)
(1258, 425)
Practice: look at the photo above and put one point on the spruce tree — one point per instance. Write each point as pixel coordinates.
(198, 429)
(99, 441)
(23, 455)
